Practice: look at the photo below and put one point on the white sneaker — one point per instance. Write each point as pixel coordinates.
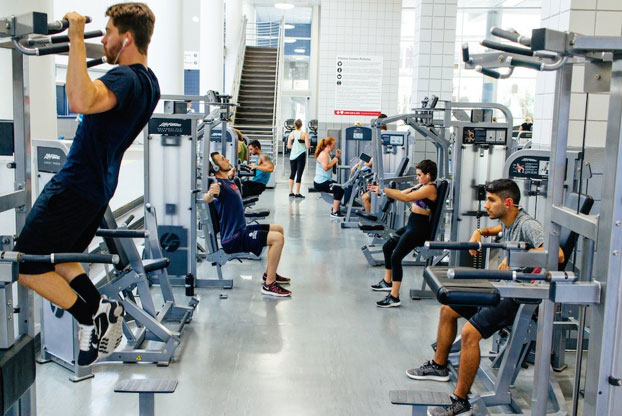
(108, 321)
(89, 344)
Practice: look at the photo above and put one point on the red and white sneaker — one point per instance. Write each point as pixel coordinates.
(279, 279)
(275, 290)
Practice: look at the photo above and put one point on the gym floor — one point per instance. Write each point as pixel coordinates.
(326, 351)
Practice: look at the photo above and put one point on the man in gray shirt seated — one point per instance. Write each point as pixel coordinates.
(502, 199)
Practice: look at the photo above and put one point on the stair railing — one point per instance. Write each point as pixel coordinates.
(276, 112)
(239, 65)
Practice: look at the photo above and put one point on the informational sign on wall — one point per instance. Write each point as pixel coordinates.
(358, 89)
(191, 60)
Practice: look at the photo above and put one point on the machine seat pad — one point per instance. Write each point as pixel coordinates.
(419, 398)
(471, 292)
(256, 213)
(312, 190)
(366, 226)
(156, 264)
(368, 216)
(146, 386)
(250, 200)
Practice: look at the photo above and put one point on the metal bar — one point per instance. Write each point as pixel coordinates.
(146, 404)
(597, 43)
(13, 200)
(585, 225)
(544, 341)
(192, 235)
(600, 397)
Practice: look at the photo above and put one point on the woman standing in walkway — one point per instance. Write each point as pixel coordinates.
(298, 142)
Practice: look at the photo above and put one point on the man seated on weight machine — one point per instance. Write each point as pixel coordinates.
(235, 235)
(502, 199)
(264, 167)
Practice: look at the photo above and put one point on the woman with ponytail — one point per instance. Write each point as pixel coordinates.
(298, 142)
(324, 173)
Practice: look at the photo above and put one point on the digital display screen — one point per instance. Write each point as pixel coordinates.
(396, 141)
(357, 135)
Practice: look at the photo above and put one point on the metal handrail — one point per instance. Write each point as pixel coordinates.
(276, 115)
(237, 78)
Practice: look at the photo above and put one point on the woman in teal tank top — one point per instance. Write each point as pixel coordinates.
(298, 142)
(323, 180)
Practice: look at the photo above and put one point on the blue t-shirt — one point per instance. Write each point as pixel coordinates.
(93, 163)
(230, 210)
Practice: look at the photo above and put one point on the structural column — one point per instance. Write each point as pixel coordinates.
(212, 45)
(233, 15)
(166, 52)
(435, 39)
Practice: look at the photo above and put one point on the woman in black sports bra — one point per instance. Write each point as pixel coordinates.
(414, 234)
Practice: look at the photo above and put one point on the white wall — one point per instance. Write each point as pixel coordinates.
(357, 27)
(586, 17)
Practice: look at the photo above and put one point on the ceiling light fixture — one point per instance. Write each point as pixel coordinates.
(289, 27)
(195, 19)
(299, 50)
(289, 40)
(284, 6)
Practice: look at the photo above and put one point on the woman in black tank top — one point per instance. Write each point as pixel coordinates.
(414, 234)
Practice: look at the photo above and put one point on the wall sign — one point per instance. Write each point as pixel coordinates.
(358, 85)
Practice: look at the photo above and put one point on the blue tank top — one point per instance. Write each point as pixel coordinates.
(261, 176)
(322, 175)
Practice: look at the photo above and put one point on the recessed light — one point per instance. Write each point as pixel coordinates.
(289, 27)
(195, 19)
(289, 40)
(299, 50)
(284, 6)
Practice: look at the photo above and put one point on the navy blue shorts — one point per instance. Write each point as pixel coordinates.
(250, 240)
(490, 319)
(60, 221)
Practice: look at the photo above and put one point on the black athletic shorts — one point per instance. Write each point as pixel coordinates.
(250, 240)
(489, 319)
(60, 221)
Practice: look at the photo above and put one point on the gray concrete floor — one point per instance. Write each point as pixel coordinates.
(326, 351)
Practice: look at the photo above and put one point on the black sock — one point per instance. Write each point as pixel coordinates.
(439, 366)
(81, 311)
(83, 286)
(464, 401)
(395, 297)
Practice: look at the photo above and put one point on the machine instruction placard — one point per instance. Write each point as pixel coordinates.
(358, 89)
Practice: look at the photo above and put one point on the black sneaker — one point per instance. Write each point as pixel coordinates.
(279, 279)
(275, 290)
(382, 286)
(389, 302)
(292, 195)
(429, 371)
(108, 322)
(89, 344)
(336, 214)
(458, 407)
(301, 196)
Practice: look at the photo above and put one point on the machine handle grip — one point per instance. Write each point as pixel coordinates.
(95, 62)
(524, 63)
(121, 233)
(511, 36)
(488, 72)
(506, 48)
(465, 53)
(60, 25)
(468, 245)
(58, 258)
(492, 275)
(51, 50)
(129, 220)
(87, 35)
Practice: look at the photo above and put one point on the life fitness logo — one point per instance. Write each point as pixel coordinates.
(51, 156)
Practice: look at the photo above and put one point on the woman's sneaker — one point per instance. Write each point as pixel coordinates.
(336, 214)
(89, 344)
(108, 322)
(292, 195)
(389, 302)
(429, 371)
(458, 407)
(279, 279)
(301, 196)
(275, 290)
(382, 286)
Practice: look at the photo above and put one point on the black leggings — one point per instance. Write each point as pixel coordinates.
(298, 166)
(325, 187)
(412, 235)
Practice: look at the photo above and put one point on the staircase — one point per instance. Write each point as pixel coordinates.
(256, 97)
